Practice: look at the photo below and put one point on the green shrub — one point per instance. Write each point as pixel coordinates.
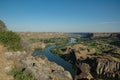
(20, 75)
(10, 40)
(2, 26)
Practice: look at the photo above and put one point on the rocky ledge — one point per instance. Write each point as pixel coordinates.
(39, 66)
(44, 69)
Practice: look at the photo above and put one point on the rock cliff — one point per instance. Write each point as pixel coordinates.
(104, 67)
(39, 66)
(106, 35)
(91, 65)
(44, 69)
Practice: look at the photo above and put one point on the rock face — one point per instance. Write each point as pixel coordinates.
(107, 35)
(44, 69)
(41, 68)
(115, 35)
(91, 65)
(101, 34)
(83, 51)
(105, 66)
(83, 71)
(108, 66)
(77, 51)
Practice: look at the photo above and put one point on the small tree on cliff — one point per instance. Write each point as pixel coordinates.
(2, 26)
(9, 38)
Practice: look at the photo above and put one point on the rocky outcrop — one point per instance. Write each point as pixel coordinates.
(83, 72)
(5, 65)
(106, 66)
(115, 36)
(41, 68)
(101, 35)
(83, 51)
(106, 35)
(77, 51)
(38, 45)
(44, 69)
(91, 65)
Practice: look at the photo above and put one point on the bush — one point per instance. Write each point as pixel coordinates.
(10, 40)
(2, 26)
(20, 75)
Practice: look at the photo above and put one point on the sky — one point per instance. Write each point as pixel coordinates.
(61, 15)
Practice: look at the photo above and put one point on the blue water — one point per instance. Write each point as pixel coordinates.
(57, 59)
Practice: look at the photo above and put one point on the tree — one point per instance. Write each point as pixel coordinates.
(2, 26)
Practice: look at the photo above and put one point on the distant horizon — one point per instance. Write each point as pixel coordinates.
(61, 32)
(61, 15)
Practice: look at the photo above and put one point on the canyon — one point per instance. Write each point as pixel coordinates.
(101, 61)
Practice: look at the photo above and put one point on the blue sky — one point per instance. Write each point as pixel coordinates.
(61, 15)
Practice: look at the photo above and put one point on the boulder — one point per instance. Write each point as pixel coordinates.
(44, 69)
(83, 71)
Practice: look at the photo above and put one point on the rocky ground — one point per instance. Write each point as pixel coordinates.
(44, 69)
(41, 68)
(4, 65)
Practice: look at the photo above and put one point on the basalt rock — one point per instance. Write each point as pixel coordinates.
(91, 65)
(102, 66)
(83, 71)
(44, 69)
(108, 66)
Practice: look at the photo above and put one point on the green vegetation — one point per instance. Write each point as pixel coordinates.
(2, 26)
(57, 49)
(55, 41)
(11, 40)
(20, 75)
(94, 43)
(59, 42)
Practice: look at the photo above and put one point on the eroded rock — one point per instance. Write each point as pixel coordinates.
(44, 69)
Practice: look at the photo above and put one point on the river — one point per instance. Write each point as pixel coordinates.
(57, 59)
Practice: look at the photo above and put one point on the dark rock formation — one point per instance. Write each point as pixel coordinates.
(103, 66)
(83, 71)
